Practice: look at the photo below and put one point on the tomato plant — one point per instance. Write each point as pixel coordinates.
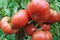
(38, 11)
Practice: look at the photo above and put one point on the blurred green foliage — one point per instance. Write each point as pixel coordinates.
(10, 7)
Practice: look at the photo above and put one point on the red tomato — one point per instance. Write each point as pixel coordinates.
(6, 26)
(39, 10)
(45, 27)
(30, 29)
(54, 17)
(42, 35)
(20, 19)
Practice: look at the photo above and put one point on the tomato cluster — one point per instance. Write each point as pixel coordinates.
(38, 11)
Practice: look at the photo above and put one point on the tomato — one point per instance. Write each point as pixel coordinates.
(7, 27)
(45, 27)
(20, 19)
(30, 29)
(39, 10)
(54, 17)
(42, 35)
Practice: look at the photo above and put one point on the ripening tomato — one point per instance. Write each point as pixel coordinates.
(42, 35)
(45, 27)
(7, 27)
(20, 19)
(39, 10)
(30, 29)
(54, 17)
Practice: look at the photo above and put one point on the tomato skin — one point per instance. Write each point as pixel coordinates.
(54, 17)
(6, 26)
(45, 27)
(42, 35)
(48, 34)
(39, 10)
(30, 29)
(20, 19)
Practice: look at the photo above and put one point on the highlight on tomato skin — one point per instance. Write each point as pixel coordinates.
(7, 27)
(30, 29)
(42, 35)
(20, 19)
(39, 10)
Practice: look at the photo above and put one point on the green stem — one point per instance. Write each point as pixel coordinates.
(30, 21)
(36, 25)
(39, 29)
